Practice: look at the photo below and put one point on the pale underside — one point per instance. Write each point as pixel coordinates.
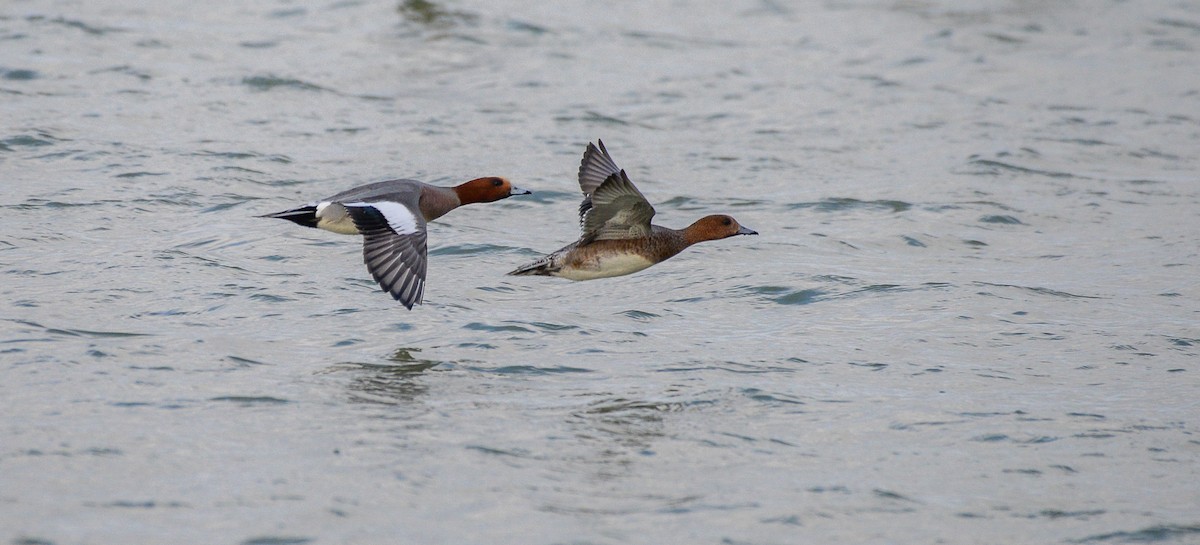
(604, 267)
(333, 217)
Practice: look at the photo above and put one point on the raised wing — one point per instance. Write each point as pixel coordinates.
(597, 165)
(617, 210)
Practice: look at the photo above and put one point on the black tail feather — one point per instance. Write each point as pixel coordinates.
(540, 267)
(305, 215)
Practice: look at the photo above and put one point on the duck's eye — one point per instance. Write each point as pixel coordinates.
(727, 221)
(497, 182)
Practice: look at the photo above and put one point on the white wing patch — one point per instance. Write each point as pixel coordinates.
(399, 217)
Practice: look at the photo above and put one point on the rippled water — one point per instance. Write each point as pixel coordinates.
(971, 315)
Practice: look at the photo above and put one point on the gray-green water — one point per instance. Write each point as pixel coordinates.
(971, 315)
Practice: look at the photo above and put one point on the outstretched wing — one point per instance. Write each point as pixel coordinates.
(617, 211)
(394, 248)
(597, 165)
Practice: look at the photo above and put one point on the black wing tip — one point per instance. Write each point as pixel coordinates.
(593, 149)
(407, 297)
(408, 304)
(598, 147)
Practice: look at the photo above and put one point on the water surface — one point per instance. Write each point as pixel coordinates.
(970, 316)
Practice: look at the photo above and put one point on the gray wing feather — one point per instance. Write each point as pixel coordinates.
(597, 165)
(618, 211)
(407, 192)
(396, 261)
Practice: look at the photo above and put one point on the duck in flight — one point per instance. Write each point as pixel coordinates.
(391, 217)
(617, 236)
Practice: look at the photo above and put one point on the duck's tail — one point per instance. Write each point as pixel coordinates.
(305, 215)
(541, 267)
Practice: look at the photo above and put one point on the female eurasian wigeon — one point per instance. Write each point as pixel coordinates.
(391, 218)
(617, 235)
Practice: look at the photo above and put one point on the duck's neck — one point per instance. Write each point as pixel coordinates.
(436, 201)
(695, 233)
(473, 192)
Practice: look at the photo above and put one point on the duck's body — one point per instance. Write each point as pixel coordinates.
(391, 216)
(617, 236)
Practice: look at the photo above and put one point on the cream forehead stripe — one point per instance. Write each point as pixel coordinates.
(398, 216)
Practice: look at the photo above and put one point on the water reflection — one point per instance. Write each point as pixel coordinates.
(433, 15)
(396, 381)
(619, 431)
(618, 440)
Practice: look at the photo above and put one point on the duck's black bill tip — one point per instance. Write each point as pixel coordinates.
(745, 231)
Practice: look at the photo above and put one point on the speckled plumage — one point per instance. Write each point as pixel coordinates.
(616, 236)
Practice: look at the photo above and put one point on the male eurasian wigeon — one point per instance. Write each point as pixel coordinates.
(391, 218)
(617, 237)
